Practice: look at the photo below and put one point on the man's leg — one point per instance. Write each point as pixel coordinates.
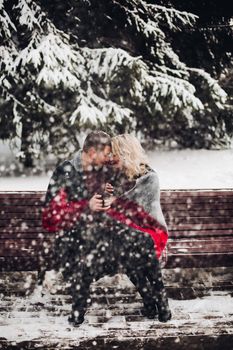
(80, 291)
(92, 264)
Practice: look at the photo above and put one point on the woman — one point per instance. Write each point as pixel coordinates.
(139, 210)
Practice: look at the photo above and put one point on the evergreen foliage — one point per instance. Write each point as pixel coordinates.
(115, 64)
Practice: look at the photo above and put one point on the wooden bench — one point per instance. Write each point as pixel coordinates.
(200, 253)
(200, 226)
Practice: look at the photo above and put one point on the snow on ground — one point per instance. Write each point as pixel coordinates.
(192, 169)
(203, 313)
(177, 169)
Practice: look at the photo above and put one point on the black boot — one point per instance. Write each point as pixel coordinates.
(149, 310)
(163, 307)
(77, 317)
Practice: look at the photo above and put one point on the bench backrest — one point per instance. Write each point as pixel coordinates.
(200, 224)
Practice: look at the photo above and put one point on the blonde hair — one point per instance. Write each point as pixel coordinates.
(129, 150)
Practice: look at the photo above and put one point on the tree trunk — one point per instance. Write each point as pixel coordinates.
(26, 143)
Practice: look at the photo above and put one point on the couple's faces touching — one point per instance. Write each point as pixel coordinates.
(104, 157)
(100, 157)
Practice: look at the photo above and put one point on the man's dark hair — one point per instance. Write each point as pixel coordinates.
(97, 139)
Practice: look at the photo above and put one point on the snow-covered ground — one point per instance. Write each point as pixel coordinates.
(191, 317)
(177, 169)
(194, 168)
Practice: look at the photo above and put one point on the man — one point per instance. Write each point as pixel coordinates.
(72, 200)
(72, 182)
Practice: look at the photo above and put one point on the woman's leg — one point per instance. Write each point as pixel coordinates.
(133, 255)
(154, 275)
(141, 283)
(143, 268)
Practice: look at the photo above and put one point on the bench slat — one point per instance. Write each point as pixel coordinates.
(206, 207)
(170, 193)
(30, 263)
(198, 220)
(169, 215)
(176, 223)
(31, 212)
(188, 201)
(180, 227)
(22, 247)
(200, 260)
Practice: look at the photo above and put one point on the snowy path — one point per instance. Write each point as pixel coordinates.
(113, 317)
(43, 322)
(184, 169)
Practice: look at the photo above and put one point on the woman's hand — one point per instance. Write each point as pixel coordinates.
(109, 188)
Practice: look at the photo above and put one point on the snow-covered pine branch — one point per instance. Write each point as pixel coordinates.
(92, 109)
(107, 64)
(6, 25)
(30, 14)
(174, 19)
(53, 59)
(215, 93)
(82, 75)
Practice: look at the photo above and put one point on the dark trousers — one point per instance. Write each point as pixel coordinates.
(105, 250)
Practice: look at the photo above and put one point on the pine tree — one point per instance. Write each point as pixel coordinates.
(69, 66)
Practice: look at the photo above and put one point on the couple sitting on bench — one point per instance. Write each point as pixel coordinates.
(104, 206)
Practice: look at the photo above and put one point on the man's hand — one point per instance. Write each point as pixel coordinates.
(96, 203)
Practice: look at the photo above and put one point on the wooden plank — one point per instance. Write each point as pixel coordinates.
(174, 220)
(199, 260)
(36, 215)
(172, 234)
(169, 215)
(21, 229)
(196, 200)
(30, 263)
(176, 223)
(170, 194)
(22, 194)
(188, 247)
(30, 227)
(170, 210)
(32, 234)
(23, 252)
(201, 212)
(33, 212)
(196, 193)
(200, 233)
(179, 207)
(200, 226)
(173, 192)
(23, 202)
(189, 202)
(27, 235)
(19, 264)
(20, 209)
(23, 247)
(26, 249)
(20, 222)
